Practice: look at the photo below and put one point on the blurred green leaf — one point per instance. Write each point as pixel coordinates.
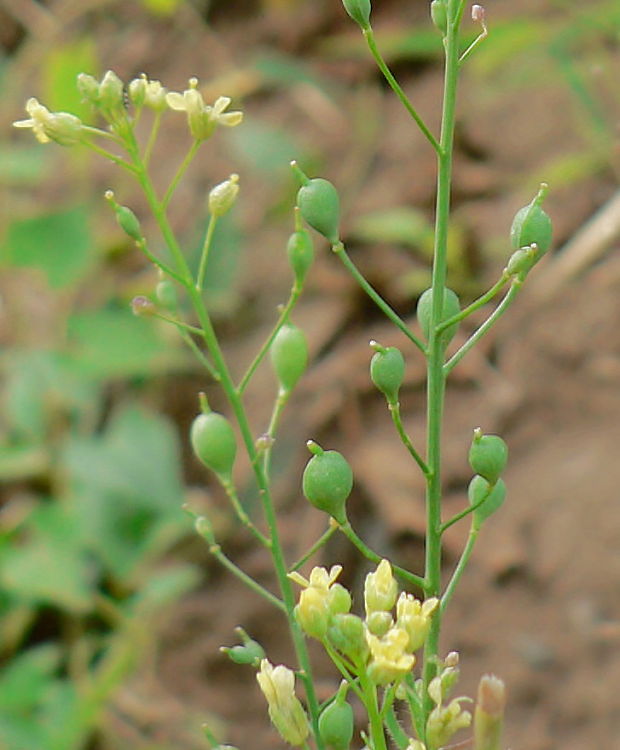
(400, 225)
(25, 679)
(60, 244)
(127, 488)
(63, 64)
(265, 147)
(112, 343)
(49, 566)
(24, 164)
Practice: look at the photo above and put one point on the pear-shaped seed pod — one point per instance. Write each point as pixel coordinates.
(289, 355)
(451, 307)
(336, 725)
(387, 371)
(300, 254)
(488, 455)
(214, 443)
(496, 494)
(327, 482)
(531, 225)
(319, 205)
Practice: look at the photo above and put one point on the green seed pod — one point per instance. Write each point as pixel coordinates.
(488, 455)
(359, 10)
(250, 653)
(327, 481)
(319, 205)
(451, 306)
(439, 15)
(128, 222)
(478, 488)
(289, 355)
(522, 260)
(531, 225)
(387, 370)
(300, 254)
(347, 633)
(166, 294)
(214, 443)
(336, 725)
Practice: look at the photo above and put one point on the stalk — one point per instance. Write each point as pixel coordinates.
(436, 378)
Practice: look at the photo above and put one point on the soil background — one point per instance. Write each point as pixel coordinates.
(540, 603)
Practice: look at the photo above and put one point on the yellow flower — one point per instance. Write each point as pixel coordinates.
(388, 660)
(414, 617)
(320, 598)
(62, 127)
(380, 589)
(285, 710)
(202, 118)
(443, 722)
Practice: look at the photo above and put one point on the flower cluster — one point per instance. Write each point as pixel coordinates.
(379, 645)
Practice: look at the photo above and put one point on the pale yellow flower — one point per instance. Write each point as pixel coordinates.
(388, 659)
(414, 617)
(380, 589)
(62, 127)
(203, 118)
(285, 710)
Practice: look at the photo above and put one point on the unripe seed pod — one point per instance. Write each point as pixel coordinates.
(289, 355)
(300, 254)
(347, 633)
(250, 653)
(214, 443)
(128, 222)
(336, 725)
(488, 455)
(451, 307)
(387, 370)
(359, 10)
(496, 494)
(522, 260)
(439, 14)
(327, 481)
(166, 294)
(319, 205)
(531, 225)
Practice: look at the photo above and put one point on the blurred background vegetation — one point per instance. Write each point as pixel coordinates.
(95, 403)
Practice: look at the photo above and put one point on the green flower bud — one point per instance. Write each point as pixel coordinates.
(495, 495)
(531, 225)
(359, 10)
(223, 196)
(336, 724)
(111, 98)
(387, 370)
(88, 86)
(129, 222)
(289, 355)
(251, 652)
(451, 307)
(214, 443)
(347, 633)
(338, 599)
(300, 254)
(137, 91)
(378, 623)
(488, 455)
(439, 15)
(166, 294)
(327, 481)
(319, 205)
(312, 612)
(489, 713)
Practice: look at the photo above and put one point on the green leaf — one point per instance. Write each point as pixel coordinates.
(401, 225)
(61, 68)
(115, 343)
(24, 164)
(60, 244)
(128, 489)
(50, 565)
(26, 677)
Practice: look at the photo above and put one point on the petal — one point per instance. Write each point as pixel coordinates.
(220, 104)
(230, 119)
(23, 124)
(176, 101)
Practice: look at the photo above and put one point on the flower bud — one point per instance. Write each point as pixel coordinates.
(389, 660)
(451, 307)
(142, 306)
(223, 196)
(137, 91)
(250, 652)
(488, 455)
(378, 623)
(338, 600)
(387, 370)
(111, 97)
(88, 86)
(380, 589)
(444, 721)
(289, 355)
(348, 634)
(327, 481)
(489, 713)
(359, 10)
(285, 710)
(312, 612)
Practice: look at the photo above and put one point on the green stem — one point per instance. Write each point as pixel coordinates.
(397, 733)
(462, 564)
(455, 519)
(107, 155)
(241, 514)
(178, 323)
(486, 326)
(204, 255)
(179, 173)
(320, 542)
(278, 408)
(375, 722)
(405, 575)
(476, 304)
(199, 355)
(394, 408)
(382, 65)
(141, 244)
(148, 151)
(339, 250)
(435, 359)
